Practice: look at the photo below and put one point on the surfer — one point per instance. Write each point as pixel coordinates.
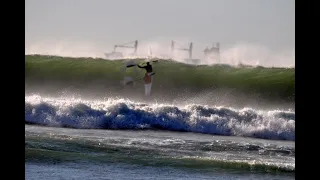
(147, 78)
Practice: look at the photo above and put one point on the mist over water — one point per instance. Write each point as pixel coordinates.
(239, 53)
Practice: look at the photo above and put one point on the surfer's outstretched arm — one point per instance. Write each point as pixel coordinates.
(142, 66)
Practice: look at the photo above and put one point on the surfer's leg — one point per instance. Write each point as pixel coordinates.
(150, 85)
(147, 89)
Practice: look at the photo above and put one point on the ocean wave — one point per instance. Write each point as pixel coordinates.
(52, 73)
(125, 114)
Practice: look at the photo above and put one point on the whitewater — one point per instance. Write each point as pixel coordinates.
(126, 114)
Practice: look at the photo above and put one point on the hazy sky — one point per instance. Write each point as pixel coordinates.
(268, 23)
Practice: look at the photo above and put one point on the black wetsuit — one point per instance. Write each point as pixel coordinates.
(148, 68)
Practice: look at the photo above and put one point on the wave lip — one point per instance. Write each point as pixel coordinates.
(122, 114)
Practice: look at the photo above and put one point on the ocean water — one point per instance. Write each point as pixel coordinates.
(94, 129)
(58, 153)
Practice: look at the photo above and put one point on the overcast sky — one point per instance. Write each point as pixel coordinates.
(103, 23)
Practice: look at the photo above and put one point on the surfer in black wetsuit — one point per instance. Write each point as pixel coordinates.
(147, 78)
(148, 67)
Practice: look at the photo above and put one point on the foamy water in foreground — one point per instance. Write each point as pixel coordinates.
(126, 114)
(125, 139)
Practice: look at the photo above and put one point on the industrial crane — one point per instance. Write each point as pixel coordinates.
(213, 53)
(116, 54)
(173, 43)
(135, 46)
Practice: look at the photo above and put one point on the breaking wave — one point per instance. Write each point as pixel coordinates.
(125, 114)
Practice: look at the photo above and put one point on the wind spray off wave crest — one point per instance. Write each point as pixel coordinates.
(257, 55)
(65, 48)
(240, 53)
(124, 114)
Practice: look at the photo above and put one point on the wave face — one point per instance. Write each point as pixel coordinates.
(124, 114)
(53, 73)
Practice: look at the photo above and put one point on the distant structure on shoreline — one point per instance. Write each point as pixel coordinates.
(115, 54)
(212, 54)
